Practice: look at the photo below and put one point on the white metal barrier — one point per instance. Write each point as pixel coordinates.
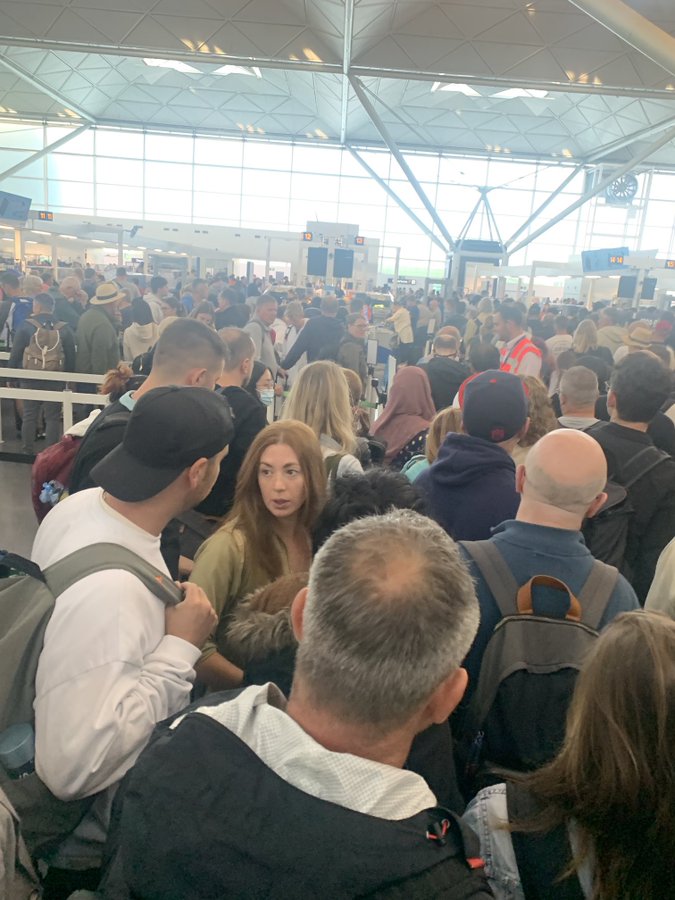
(66, 397)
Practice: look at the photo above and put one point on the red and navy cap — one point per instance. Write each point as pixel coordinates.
(494, 406)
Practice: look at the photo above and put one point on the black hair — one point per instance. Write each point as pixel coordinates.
(157, 282)
(483, 357)
(598, 365)
(141, 313)
(120, 271)
(641, 385)
(356, 496)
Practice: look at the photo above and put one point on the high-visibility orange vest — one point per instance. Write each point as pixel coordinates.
(511, 359)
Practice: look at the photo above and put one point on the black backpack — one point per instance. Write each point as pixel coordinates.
(606, 534)
(542, 857)
(516, 717)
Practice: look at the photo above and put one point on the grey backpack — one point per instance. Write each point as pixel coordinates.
(516, 717)
(26, 606)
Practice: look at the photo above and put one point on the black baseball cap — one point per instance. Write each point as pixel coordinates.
(494, 406)
(169, 429)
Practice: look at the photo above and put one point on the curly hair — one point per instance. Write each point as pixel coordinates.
(375, 492)
(542, 417)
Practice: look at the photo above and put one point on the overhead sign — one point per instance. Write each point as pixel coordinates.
(308, 235)
(359, 240)
(669, 264)
(45, 216)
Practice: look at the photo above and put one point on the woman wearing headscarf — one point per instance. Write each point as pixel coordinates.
(405, 421)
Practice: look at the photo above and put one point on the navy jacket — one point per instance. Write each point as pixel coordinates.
(471, 488)
(319, 339)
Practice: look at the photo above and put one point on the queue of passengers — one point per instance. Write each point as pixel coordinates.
(399, 667)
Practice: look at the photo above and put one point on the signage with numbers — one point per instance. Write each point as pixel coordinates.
(45, 216)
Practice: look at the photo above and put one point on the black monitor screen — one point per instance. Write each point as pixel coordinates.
(343, 263)
(14, 207)
(317, 261)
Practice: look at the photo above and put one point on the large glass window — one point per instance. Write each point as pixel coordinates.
(284, 186)
(169, 147)
(110, 170)
(127, 144)
(70, 168)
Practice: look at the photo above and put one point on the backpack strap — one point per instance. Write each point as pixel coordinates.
(541, 856)
(103, 557)
(498, 577)
(596, 593)
(639, 465)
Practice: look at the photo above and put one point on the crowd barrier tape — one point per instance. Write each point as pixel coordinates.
(66, 397)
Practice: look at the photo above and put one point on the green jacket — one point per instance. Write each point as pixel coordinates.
(98, 346)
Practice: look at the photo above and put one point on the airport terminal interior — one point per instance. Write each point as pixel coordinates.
(337, 449)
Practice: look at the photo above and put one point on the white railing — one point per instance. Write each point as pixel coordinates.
(66, 397)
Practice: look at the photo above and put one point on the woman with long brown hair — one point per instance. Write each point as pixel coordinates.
(280, 492)
(609, 795)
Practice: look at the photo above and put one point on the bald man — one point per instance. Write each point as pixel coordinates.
(561, 484)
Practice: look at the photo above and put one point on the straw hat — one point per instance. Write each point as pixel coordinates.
(106, 293)
(640, 337)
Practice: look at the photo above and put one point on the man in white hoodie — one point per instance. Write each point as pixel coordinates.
(115, 660)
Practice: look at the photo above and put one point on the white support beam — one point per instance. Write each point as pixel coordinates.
(633, 28)
(398, 156)
(45, 89)
(394, 196)
(346, 66)
(299, 65)
(629, 139)
(617, 173)
(45, 150)
(535, 215)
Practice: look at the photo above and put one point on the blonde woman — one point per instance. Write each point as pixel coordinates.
(320, 399)
(585, 342)
(442, 424)
(542, 417)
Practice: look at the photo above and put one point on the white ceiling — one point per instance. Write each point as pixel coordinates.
(86, 57)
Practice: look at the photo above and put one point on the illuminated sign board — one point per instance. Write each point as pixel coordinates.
(359, 241)
(308, 235)
(669, 264)
(45, 216)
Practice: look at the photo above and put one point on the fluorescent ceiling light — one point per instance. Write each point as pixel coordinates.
(68, 237)
(455, 88)
(175, 64)
(32, 242)
(238, 70)
(141, 248)
(512, 93)
(35, 231)
(157, 250)
(95, 241)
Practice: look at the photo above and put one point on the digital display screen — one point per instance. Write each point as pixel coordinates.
(359, 241)
(45, 216)
(308, 235)
(670, 264)
(14, 207)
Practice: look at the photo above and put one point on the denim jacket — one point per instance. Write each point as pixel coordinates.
(485, 814)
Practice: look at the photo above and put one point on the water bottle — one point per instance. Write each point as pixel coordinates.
(17, 750)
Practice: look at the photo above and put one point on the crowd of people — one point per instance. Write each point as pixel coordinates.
(425, 652)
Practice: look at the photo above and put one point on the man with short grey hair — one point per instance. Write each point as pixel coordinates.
(320, 338)
(578, 395)
(260, 330)
(285, 792)
(70, 301)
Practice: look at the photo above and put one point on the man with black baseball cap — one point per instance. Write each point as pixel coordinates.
(471, 487)
(115, 660)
